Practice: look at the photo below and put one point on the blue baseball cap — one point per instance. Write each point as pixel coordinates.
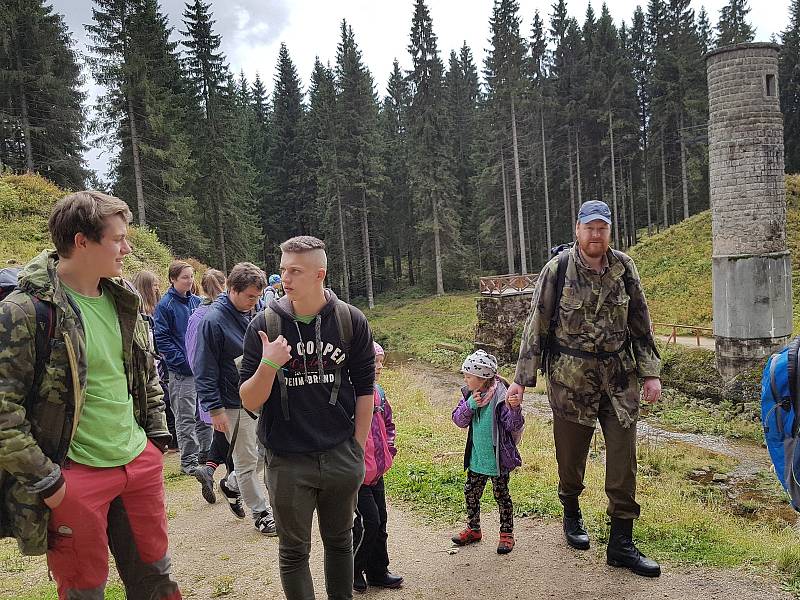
(274, 278)
(593, 210)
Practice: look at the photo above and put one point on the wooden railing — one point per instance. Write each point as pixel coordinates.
(673, 337)
(505, 285)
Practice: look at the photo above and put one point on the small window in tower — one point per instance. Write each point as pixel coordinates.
(770, 81)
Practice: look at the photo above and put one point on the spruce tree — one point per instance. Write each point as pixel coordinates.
(41, 115)
(789, 88)
(433, 182)
(146, 112)
(397, 195)
(225, 185)
(732, 27)
(285, 212)
(360, 155)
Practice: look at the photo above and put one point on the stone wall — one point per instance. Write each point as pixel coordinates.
(751, 267)
(500, 323)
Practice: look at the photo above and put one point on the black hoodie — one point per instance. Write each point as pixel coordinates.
(312, 423)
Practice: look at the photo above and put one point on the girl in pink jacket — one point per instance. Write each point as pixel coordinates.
(371, 561)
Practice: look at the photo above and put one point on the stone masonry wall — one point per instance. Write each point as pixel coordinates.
(745, 133)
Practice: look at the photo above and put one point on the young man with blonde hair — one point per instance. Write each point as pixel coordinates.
(81, 440)
(309, 366)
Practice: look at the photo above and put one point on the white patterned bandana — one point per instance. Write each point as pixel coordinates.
(480, 364)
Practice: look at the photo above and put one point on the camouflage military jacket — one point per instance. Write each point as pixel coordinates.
(34, 439)
(601, 314)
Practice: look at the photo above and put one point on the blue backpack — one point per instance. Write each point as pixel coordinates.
(780, 407)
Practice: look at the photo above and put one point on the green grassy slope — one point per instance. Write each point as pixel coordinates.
(675, 265)
(25, 203)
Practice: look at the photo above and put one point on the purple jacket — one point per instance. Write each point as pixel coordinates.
(191, 343)
(506, 421)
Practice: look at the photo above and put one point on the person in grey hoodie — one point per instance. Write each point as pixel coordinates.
(315, 384)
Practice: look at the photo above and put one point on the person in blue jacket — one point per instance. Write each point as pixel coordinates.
(219, 346)
(171, 318)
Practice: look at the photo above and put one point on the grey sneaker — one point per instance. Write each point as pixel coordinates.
(266, 524)
(205, 475)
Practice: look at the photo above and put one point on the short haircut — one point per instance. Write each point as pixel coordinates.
(83, 212)
(213, 283)
(306, 243)
(176, 267)
(245, 274)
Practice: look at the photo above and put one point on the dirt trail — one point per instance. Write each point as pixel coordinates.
(216, 555)
(208, 544)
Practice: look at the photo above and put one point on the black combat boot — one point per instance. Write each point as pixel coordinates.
(622, 552)
(575, 530)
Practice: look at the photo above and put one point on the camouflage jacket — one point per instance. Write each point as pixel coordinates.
(34, 440)
(598, 313)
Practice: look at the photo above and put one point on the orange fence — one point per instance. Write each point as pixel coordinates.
(696, 331)
(504, 285)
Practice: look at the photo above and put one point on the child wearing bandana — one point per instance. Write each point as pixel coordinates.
(494, 423)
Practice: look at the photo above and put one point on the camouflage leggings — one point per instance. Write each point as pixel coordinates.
(473, 490)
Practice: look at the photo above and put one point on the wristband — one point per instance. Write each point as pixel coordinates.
(269, 363)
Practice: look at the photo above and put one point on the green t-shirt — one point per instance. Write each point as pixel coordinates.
(482, 458)
(307, 319)
(107, 434)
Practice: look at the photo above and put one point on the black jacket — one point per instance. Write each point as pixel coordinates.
(312, 423)
(219, 342)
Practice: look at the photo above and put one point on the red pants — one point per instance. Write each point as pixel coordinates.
(121, 508)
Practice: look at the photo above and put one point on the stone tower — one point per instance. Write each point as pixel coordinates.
(751, 265)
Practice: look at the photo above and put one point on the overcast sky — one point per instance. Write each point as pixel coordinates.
(252, 30)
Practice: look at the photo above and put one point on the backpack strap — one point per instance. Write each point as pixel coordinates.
(793, 373)
(561, 277)
(44, 333)
(344, 322)
(773, 387)
(274, 329)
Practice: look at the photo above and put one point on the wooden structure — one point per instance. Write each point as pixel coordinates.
(507, 285)
(696, 331)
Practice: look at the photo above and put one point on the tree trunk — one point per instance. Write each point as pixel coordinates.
(520, 221)
(647, 195)
(221, 234)
(684, 176)
(367, 256)
(546, 191)
(571, 182)
(507, 211)
(613, 183)
(437, 248)
(664, 183)
(26, 122)
(137, 167)
(578, 166)
(633, 205)
(346, 273)
(411, 280)
(623, 205)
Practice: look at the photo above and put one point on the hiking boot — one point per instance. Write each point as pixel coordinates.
(575, 531)
(359, 583)
(234, 500)
(387, 580)
(622, 552)
(467, 536)
(506, 543)
(266, 524)
(205, 475)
